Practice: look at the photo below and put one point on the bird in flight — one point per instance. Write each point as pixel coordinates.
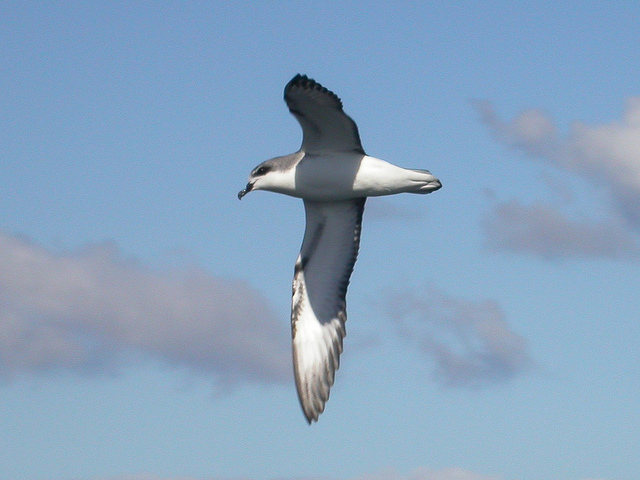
(333, 176)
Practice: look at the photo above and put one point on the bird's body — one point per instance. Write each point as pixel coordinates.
(333, 176)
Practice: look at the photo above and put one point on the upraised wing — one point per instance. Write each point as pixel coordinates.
(318, 313)
(325, 126)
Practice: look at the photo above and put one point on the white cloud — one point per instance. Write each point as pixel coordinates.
(92, 311)
(607, 156)
(469, 341)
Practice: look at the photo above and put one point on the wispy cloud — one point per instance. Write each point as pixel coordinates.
(607, 156)
(92, 311)
(544, 230)
(469, 341)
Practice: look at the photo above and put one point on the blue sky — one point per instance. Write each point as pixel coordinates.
(493, 328)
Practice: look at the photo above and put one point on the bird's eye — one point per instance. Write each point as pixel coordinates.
(262, 170)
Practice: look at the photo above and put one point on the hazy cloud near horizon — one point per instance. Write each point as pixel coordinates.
(453, 473)
(607, 156)
(92, 311)
(423, 473)
(420, 473)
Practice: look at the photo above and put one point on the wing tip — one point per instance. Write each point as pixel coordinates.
(311, 400)
(310, 417)
(312, 412)
(304, 82)
(314, 392)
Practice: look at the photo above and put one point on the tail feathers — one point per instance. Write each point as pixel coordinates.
(425, 182)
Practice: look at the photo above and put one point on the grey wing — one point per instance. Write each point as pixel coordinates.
(325, 126)
(318, 313)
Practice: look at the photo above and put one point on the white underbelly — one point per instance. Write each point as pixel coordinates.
(343, 176)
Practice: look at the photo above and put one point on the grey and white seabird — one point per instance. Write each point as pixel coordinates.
(334, 176)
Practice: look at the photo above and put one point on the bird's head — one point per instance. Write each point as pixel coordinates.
(256, 178)
(273, 175)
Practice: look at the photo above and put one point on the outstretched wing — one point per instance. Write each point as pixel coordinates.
(320, 282)
(325, 126)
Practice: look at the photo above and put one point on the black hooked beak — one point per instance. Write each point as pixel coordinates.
(246, 190)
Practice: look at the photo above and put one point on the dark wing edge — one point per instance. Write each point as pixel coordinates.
(321, 116)
(318, 315)
(306, 83)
